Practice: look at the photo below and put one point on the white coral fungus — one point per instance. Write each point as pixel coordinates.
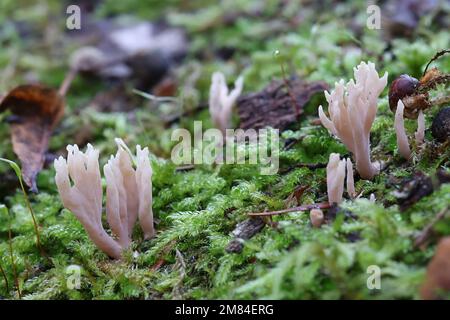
(352, 108)
(221, 101)
(128, 194)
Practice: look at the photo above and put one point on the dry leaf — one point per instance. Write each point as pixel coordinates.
(438, 276)
(35, 112)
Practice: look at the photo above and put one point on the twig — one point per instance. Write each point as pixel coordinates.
(311, 166)
(187, 167)
(173, 119)
(428, 230)
(18, 172)
(181, 265)
(35, 224)
(13, 263)
(152, 97)
(293, 142)
(305, 207)
(4, 277)
(65, 85)
(158, 264)
(291, 95)
(437, 55)
(165, 250)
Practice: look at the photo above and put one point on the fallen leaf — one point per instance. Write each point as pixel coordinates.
(35, 112)
(275, 105)
(437, 279)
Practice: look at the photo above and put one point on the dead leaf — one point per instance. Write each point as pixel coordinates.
(35, 112)
(438, 277)
(275, 105)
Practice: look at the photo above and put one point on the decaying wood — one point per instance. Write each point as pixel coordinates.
(243, 231)
(273, 106)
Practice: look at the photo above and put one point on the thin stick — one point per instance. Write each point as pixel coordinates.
(305, 207)
(185, 167)
(286, 83)
(18, 172)
(13, 264)
(437, 55)
(4, 277)
(428, 230)
(65, 85)
(33, 217)
(311, 166)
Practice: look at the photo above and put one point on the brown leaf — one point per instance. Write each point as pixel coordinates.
(275, 105)
(35, 112)
(438, 276)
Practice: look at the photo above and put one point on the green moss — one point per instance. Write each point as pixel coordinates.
(197, 210)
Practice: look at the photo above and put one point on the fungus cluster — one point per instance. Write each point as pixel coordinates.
(352, 108)
(221, 101)
(128, 194)
(336, 169)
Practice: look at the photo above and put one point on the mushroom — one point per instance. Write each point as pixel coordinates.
(317, 217)
(352, 109)
(350, 179)
(84, 198)
(335, 178)
(420, 133)
(221, 101)
(128, 194)
(402, 139)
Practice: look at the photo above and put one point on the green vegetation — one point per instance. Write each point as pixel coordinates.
(197, 210)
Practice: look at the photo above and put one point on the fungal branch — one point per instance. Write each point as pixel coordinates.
(402, 138)
(128, 194)
(352, 108)
(335, 178)
(221, 101)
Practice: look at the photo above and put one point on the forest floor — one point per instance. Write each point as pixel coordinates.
(195, 254)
